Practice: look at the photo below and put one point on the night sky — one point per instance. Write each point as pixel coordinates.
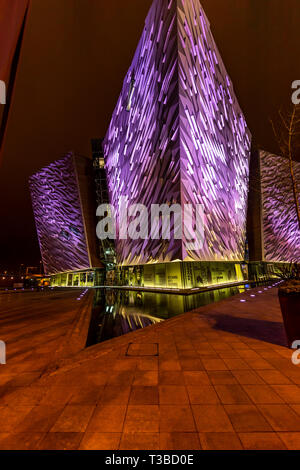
(74, 58)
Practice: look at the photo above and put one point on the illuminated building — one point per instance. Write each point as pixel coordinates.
(178, 135)
(273, 231)
(64, 211)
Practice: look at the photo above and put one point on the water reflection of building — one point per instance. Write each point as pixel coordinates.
(117, 312)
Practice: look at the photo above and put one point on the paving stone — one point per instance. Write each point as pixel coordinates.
(291, 440)
(60, 441)
(100, 441)
(220, 441)
(74, 418)
(142, 418)
(179, 441)
(140, 441)
(176, 418)
(211, 418)
(261, 441)
(247, 418)
(173, 395)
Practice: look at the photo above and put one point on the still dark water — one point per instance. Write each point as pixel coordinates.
(117, 312)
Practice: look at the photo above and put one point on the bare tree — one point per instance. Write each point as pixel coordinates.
(287, 133)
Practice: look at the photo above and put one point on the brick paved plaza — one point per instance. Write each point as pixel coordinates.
(220, 377)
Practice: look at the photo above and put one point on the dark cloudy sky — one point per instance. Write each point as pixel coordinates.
(74, 58)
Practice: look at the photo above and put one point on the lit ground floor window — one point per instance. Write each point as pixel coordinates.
(89, 278)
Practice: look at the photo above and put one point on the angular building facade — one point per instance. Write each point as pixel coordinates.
(64, 211)
(273, 231)
(178, 136)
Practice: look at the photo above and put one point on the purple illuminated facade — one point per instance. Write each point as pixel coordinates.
(178, 135)
(64, 215)
(280, 231)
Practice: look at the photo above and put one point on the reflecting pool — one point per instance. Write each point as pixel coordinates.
(117, 312)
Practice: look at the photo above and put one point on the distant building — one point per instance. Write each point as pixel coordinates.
(65, 215)
(273, 232)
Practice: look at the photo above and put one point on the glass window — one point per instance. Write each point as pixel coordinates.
(90, 279)
(76, 280)
(82, 279)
